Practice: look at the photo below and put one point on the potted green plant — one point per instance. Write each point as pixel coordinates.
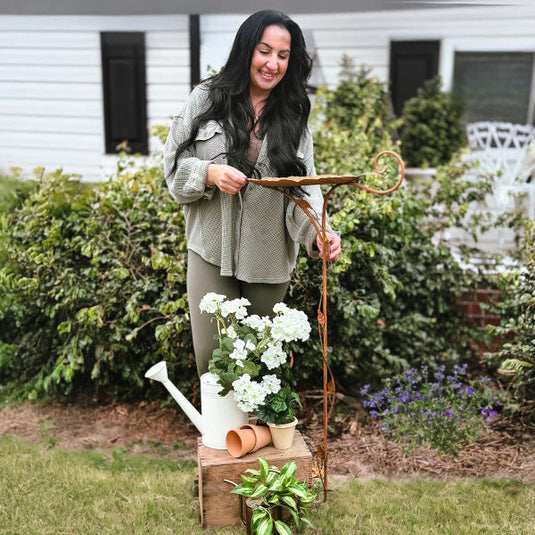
(273, 498)
(251, 359)
(278, 412)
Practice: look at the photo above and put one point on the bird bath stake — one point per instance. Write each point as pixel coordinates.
(336, 181)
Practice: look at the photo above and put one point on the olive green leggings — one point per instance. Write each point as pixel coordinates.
(204, 277)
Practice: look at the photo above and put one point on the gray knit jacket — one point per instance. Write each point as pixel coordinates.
(254, 235)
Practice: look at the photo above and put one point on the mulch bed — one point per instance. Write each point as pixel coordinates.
(356, 445)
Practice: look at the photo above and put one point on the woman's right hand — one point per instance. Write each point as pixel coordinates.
(227, 178)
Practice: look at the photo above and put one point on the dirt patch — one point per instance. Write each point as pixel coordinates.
(142, 428)
(356, 447)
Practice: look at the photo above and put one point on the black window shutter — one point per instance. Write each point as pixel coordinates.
(125, 101)
(411, 64)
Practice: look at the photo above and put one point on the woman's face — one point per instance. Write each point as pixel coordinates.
(270, 59)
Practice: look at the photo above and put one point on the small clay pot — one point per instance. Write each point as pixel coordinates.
(240, 441)
(262, 434)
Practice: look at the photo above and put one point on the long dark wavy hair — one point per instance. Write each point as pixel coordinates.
(285, 115)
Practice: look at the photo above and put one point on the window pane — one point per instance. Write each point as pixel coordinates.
(495, 86)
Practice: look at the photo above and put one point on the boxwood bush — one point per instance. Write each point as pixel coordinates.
(92, 287)
(433, 126)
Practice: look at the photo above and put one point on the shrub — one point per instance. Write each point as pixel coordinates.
(94, 290)
(433, 127)
(516, 358)
(13, 191)
(392, 294)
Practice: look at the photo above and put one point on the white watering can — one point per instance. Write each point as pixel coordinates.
(219, 415)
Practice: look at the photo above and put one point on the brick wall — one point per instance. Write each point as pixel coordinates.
(470, 303)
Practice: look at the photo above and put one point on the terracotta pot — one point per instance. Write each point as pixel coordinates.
(246, 439)
(262, 434)
(283, 434)
(240, 441)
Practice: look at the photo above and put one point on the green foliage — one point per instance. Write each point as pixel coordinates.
(275, 491)
(355, 116)
(94, 288)
(433, 127)
(516, 358)
(393, 292)
(278, 408)
(13, 191)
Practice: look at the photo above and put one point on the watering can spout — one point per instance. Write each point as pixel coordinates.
(158, 372)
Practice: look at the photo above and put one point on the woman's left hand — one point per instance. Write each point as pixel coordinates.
(335, 245)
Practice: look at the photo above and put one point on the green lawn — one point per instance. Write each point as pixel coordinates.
(50, 491)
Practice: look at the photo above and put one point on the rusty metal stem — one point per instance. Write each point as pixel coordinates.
(325, 254)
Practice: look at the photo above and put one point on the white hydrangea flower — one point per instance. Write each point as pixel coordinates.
(257, 323)
(240, 352)
(256, 394)
(291, 325)
(248, 394)
(239, 385)
(211, 301)
(271, 384)
(231, 332)
(274, 356)
(245, 405)
(236, 307)
(280, 307)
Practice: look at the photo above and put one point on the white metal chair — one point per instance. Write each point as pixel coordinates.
(505, 151)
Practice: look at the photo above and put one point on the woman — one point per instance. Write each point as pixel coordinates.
(248, 120)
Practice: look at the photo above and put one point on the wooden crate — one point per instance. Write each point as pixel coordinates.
(221, 508)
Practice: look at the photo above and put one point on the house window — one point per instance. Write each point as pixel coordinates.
(123, 80)
(411, 64)
(495, 86)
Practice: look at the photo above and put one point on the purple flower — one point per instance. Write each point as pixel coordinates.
(364, 390)
(489, 414)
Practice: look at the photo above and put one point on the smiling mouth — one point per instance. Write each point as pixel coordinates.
(268, 75)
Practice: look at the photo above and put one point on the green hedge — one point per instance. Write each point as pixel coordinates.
(92, 288)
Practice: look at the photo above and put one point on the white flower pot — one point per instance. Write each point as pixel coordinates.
(283, 434)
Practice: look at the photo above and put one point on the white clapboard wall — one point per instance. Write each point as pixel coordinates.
(51, 108)
(366, 37)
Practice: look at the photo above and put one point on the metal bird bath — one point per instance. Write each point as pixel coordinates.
(336, 181)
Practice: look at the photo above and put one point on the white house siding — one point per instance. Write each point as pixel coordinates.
(51, 108)
(366, 37)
